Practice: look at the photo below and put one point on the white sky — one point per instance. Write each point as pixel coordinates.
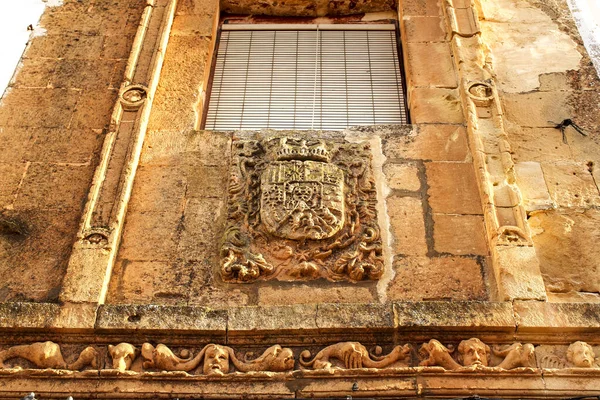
(16, 15)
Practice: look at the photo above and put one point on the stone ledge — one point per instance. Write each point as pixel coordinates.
(456, 319)
(552, 318)
(407, 383)
(154, 318)
(530, 321)
(28, 315)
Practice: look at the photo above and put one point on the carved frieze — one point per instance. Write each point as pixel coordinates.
(301, 209)
(473, 353)
(578, 355)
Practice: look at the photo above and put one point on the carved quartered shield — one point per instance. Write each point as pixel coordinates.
(302, 199)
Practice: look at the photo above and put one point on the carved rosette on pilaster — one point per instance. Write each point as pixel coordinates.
(516, 267)
(301, 209)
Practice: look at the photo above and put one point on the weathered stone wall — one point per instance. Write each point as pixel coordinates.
(558, 176)
(53, 118)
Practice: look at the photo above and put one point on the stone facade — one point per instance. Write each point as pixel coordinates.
(451, 257)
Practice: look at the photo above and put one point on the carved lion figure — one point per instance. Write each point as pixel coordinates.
(352, 355)
(435, 353)
(275, 358)
(48, 355)
(123, 355)
(516, 355)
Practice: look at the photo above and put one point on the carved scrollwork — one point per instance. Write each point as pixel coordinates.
(48, 355)
(352, 355)
(578, 355)
(215, 360)
(301, 209)
(473, 353)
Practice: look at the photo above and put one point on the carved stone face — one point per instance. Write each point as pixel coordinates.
(581, 355)
(473, 352)
(216, 360)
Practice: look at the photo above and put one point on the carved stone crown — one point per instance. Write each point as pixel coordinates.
(301, 149)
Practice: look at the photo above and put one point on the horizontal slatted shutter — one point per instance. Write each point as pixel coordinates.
(306, 77)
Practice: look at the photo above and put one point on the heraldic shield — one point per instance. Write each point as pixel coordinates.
(302, 199)
(301, 208)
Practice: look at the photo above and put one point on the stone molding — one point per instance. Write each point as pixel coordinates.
(91, 261)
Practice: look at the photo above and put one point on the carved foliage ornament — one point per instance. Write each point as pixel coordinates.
(301, 209)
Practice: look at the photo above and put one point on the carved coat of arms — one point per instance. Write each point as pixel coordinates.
(301, 209)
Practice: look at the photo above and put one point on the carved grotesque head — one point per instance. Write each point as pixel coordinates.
(216, 360)
(123, 355)
(473, 352)
(581, 355)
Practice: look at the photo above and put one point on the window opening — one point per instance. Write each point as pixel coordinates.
(301, 76)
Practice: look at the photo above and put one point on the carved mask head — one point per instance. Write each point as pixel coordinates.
(473, 352)
(216, 360)
(581, 355)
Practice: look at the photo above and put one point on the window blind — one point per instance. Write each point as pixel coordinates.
(323, 77)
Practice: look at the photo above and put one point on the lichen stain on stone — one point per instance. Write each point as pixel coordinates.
(525, 43)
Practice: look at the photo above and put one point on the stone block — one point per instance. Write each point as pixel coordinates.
(564, 317)
(190, 147)
(35, 73)
(198, 25)
(438, 278)
(49, 108)
(33, 262)
(161, 318)
(424, 29)
(420, 8)
(27, 315)
(463, 315)
(181, 83)
(430, 64)
(407, 225)
(403, 176)
(272, 318)
(538, 144)
(206, 181)
(65, 46)
(355, 316)
(158, 188)
(518, 273)
(530, 180)
(203, 224)
(571, 184)
(561, 236)
(14, 143)
(54, 186)
(459, 234)
(151, 236)
(536, 109)
(10, 179)
(83, 74)
(429, 142)
(94, 109)
(307, 294)
(435, 105)
(453, 188)
(197, 7)
(117, 47)
(154, 282)
(58, 145)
